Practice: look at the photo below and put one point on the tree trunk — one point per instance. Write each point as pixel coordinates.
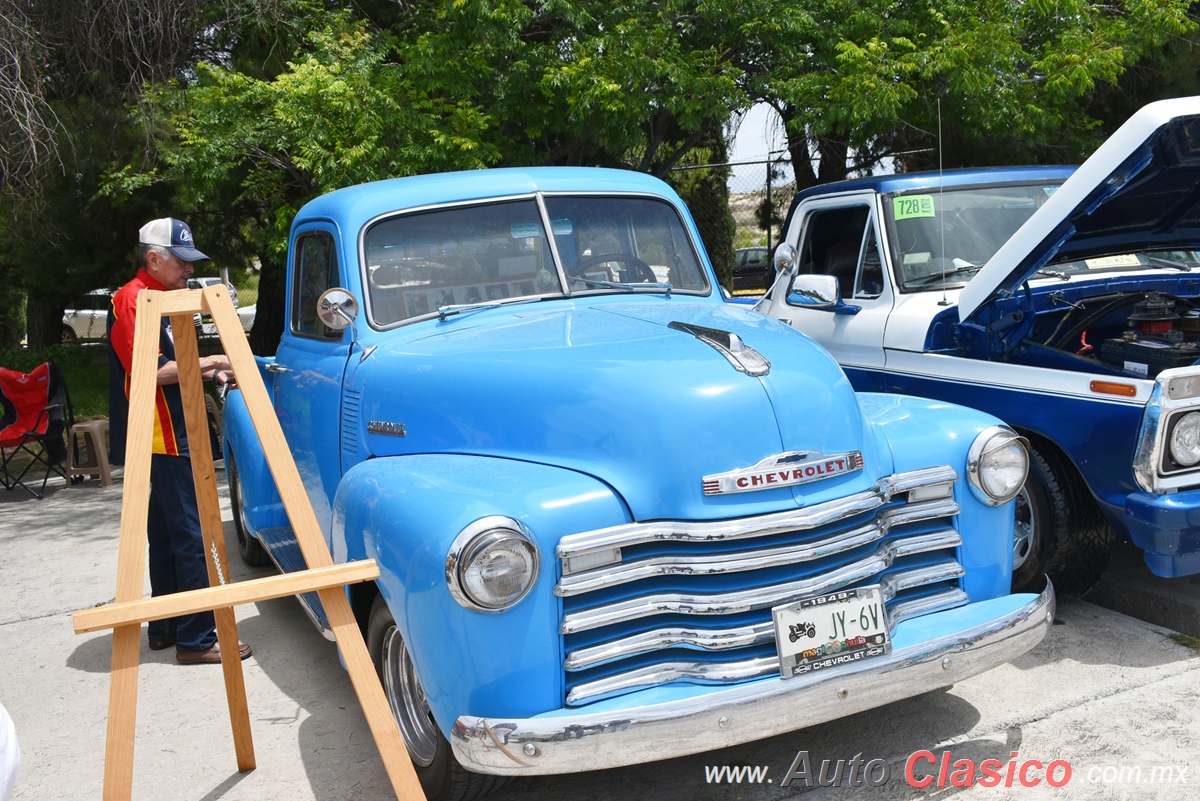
(12, 315)
(268, 314)
(44, 323)
(833, 152)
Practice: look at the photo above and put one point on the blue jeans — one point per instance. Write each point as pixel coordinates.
(177, 559)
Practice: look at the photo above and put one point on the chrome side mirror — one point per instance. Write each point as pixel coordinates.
(785, 258)
(337, 308)
(811, 291)
(814, 290)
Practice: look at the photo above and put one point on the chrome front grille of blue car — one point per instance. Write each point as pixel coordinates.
(655, 603)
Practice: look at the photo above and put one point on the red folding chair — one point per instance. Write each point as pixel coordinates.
(37, 415)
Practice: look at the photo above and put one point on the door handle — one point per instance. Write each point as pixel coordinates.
(274, 367)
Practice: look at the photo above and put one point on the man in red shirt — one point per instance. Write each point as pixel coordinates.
(177, 561)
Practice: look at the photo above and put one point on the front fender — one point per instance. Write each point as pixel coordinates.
(923, 432)
(405, 512)
(260, 498)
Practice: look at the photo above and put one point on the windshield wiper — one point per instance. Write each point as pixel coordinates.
(965, 268)
(1161, 262)
(446, 311)
(616, 285)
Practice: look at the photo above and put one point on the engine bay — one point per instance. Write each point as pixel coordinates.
(1133, 326)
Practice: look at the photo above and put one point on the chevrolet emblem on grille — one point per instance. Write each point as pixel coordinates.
(783, 470)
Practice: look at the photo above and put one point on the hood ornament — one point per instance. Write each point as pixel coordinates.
(783, 470)
(743, 357)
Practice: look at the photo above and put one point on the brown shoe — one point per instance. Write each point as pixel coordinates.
(211, 656)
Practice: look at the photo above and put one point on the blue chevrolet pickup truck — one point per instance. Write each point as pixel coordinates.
(516, 391)
(1060, 300)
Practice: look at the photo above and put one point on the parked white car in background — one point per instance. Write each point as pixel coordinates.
(87, 318)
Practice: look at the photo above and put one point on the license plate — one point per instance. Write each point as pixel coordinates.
(824, 631)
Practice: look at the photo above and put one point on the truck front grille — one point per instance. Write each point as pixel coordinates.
(646, 604)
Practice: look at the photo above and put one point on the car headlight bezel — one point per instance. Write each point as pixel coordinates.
(993, 446)
(491, 538)
(1187, 422)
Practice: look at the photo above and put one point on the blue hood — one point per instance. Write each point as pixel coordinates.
(646, 408)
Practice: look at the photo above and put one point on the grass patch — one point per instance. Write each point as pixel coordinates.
(1186, 640)
(85, 368)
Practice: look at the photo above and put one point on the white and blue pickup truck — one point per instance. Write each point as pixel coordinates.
(513, 389)
(1061, 300)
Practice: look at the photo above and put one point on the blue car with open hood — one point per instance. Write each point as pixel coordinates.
(1061, 300)
(518, 391)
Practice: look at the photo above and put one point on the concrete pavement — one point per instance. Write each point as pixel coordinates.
(1105, 692)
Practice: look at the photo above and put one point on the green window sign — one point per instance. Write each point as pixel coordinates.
(909, 206)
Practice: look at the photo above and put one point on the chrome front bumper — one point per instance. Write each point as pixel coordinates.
(575, 742)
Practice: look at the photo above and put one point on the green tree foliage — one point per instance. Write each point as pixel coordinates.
(342, 111)
(233, 113)
(856, 82)
(68, 70)
(706, 192)
(428, 88)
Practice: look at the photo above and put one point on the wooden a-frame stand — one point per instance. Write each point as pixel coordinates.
(126, 615)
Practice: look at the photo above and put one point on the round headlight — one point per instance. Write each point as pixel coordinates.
(1185, 440)
(492, 564)
(997, 465)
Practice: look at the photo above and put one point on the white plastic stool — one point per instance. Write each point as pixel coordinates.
(94, 440)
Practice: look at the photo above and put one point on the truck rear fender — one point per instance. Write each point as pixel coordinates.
(406, 511)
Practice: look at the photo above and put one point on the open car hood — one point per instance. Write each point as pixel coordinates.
(1140, 190)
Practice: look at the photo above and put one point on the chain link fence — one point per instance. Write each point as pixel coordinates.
(743, 222)
(760, 191)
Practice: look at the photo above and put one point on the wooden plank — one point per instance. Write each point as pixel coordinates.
(208, 505)
(122, 714)
(131, 555)
(374, 703)
(241, 592)
(180, 301)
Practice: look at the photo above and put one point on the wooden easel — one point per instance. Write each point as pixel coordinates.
(126, 615)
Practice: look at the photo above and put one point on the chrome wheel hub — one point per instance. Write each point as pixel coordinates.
(1022, 528)
(407, 700)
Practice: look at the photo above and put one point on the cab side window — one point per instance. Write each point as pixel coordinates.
(842, 243)
(315, 271)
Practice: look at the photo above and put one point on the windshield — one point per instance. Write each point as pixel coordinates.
(497, 252)
(942, 238)
(623, 240)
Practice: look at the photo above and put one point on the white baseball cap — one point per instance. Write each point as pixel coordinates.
(172, 234)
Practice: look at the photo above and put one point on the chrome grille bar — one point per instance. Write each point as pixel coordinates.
(947, 599)
(693, 672)
(717, 640)
(944, 570)
(711, 564)
(814, 516)
(758, 597)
